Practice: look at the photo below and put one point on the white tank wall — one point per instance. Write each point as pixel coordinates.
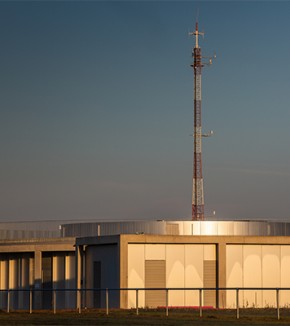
(179, 227)
(258, 266)
(184, 268)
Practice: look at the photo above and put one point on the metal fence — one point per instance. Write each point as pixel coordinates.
(31, 296)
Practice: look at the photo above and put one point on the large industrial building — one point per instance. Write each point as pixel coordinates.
(145, 254)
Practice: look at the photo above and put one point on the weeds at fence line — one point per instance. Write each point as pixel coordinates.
(177, 317)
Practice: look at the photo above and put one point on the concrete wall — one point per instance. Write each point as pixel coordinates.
(107, 256)
(63, 277)
(22, 269)
(258, 266)
(120, 261)
(184, 268)
(15, 275)
(241, 262)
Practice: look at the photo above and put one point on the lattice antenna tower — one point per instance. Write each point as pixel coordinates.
(197, 179)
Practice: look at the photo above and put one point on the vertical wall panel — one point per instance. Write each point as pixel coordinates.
(47, 285)
(234, 272)
(58, 274)
(270, 273)
(175, 273)
(70, 296)
(136, 273)
(13, 275)
(31, 271)
(252, 275)
(285, 275)
(4, 279)
(39, 278)
(24, 282)
(209, 252)
(4, 267)
(193, 274)
(13, 281)
(154, 252)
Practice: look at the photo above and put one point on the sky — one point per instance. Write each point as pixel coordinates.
(96, 109)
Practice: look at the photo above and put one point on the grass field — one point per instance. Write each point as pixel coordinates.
(128, 317)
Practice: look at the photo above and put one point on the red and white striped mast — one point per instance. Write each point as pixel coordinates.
(197, 180)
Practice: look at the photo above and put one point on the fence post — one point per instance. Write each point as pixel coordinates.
(237, 303)
(8, 300)
(137, 302)
(278, 304)
(166, 302)
(79, 300)
(54, 302)
(107, 301)
(200, 302)
(30, 301)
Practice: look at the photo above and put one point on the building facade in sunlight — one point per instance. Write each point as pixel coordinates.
(182, 256)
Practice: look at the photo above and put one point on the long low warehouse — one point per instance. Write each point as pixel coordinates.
(141, 260)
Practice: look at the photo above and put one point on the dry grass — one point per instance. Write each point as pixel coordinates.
(148, 317)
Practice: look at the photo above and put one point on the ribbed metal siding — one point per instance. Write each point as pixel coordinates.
(69, 228)
(172, 229)
(222, 228)
(28, 234)
(155, 277)
(209, 279)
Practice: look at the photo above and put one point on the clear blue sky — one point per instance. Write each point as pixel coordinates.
(96, 109)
